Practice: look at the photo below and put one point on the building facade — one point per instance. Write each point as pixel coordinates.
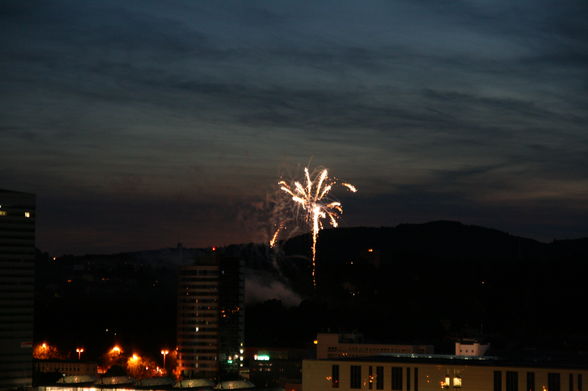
(429, 373)
(275, 367)
(330, 345)
(210, 328)
(66, 367)
(471, 348)
(17, 257)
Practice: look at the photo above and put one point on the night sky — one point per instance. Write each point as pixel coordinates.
(141, 124)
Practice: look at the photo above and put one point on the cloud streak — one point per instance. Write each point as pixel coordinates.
(482, 103)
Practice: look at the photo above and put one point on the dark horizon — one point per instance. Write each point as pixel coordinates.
(306, 236)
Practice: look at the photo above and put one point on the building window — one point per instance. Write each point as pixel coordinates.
(335, 376)
(512, 381)
(407, 379)
(571, 383)
(579, 382)
(416, 379)
(530, 381)
(379, 378)
(497, 381)
(355, 376)
(397, 378)
(553, 382)
(456, 381)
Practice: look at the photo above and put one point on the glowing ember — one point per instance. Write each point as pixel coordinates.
(312, 198)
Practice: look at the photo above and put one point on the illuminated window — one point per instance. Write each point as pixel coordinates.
(27, 214)
(2, 213)
(457, 381)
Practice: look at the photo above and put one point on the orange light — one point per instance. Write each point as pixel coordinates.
(116, 350)
(315, 341)
(370, 250)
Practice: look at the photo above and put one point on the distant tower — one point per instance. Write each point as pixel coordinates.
(17, 257)
(210, 329)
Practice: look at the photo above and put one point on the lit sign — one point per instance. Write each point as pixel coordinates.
(262, 357)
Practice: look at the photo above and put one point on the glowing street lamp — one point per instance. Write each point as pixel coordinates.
(164, 353)
(79, 351)
(116, 350)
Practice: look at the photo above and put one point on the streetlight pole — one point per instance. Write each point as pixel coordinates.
(79, 351)
(164, 352)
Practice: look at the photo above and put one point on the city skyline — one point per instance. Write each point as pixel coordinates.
(139, 125)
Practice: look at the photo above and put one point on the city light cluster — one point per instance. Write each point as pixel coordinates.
(134, 364)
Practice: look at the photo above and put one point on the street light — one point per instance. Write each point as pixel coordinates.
(164, 352)
(79, 351)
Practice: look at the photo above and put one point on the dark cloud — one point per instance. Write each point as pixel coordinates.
(463, 110)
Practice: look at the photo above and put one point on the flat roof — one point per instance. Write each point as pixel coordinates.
(540, 361)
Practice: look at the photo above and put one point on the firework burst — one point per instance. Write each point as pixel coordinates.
(311, 201)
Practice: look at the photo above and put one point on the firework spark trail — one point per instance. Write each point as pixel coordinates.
(274, 238)
(316, 205)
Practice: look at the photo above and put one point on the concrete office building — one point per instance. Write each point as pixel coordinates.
(17, 256)
(437, 372)
(329, 345)
(210, 329)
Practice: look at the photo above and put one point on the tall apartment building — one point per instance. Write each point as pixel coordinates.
(210, 328)
(17, 256)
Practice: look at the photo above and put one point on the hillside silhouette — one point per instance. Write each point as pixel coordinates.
(444, 280)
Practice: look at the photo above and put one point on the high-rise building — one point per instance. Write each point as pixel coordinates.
(17, 256)
(210, 329)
